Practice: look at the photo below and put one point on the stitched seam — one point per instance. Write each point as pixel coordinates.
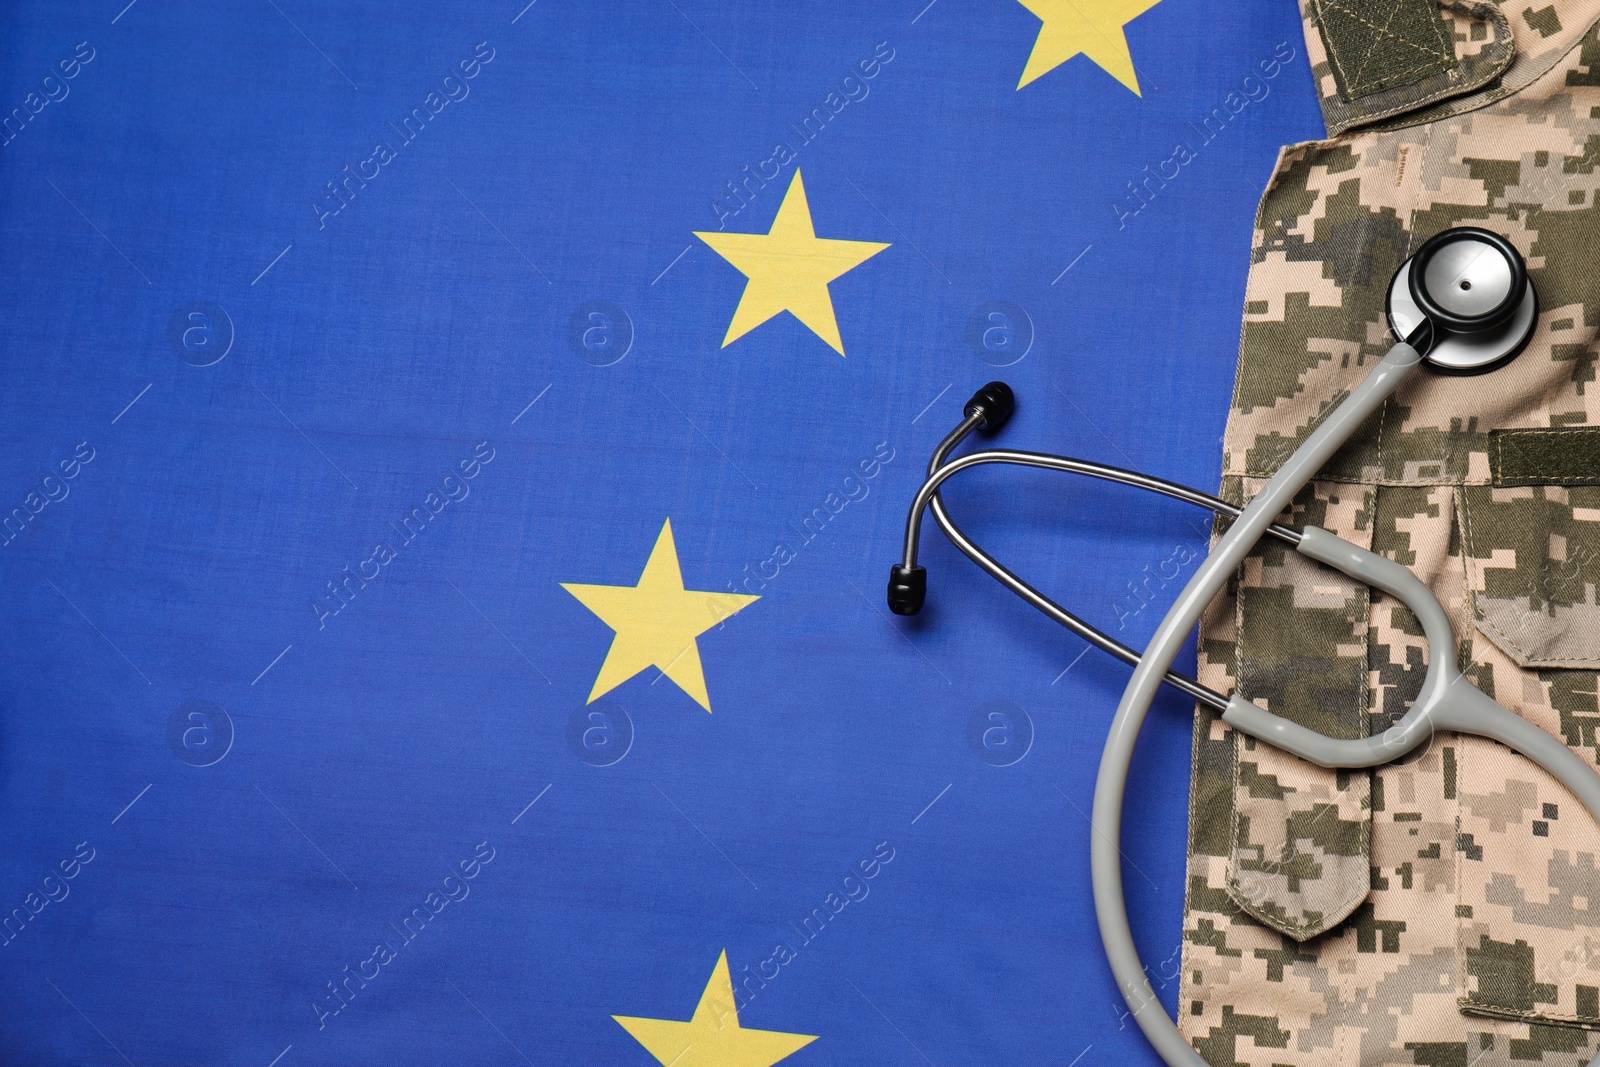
(1547, 431)
(1236, 892)
(1383, 424)
(1369, 504)
(1469, 548)
(1447, 48)
(1459, 978)
(1495, 1011)
(1416, 483)
(1538, 480)
(1464, 645)
(1408, 70)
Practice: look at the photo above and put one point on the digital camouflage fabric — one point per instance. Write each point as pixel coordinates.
(1444, 910)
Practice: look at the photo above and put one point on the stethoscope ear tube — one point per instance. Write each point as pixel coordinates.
(988, 409)
(908, 582)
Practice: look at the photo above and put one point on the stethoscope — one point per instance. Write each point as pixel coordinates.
(1463, 304)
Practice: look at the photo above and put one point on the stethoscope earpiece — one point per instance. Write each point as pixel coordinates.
(992, 406)
(989, 409)
(1464, 301)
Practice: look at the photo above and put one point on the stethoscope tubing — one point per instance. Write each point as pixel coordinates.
(1447, 700)
(1153, 667)
(1021, 588)
(939, 471)
(1105, 855)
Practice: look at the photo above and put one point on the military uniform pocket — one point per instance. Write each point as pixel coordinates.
(1529, 904)
(1299, 849)
(1532, 547)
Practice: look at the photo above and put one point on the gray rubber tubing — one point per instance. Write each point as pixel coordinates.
(1210, 577)
(1447, 700)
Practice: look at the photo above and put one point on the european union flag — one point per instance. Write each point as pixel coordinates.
(451, 455)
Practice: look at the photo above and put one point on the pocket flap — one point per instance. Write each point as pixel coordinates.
(1532, 547)
(1299, 852)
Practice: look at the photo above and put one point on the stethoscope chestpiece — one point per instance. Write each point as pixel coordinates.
(1471, 285)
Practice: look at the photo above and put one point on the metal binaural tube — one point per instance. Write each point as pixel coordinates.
(1038, 600)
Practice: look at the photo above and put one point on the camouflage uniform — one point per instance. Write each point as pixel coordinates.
(1445, 909)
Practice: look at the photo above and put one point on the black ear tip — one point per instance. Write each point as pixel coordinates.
(995, 402)
(908, 588)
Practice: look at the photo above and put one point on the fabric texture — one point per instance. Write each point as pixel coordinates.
(1470, 937)
(451, 455)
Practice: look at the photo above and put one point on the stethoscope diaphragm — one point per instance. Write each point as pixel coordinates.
(1473, 286)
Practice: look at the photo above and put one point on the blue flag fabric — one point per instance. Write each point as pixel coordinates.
(451, 458)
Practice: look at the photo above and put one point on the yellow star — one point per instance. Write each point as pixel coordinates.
(657, 622)
(789, 268)
(713, 1038)
(1090, 27)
